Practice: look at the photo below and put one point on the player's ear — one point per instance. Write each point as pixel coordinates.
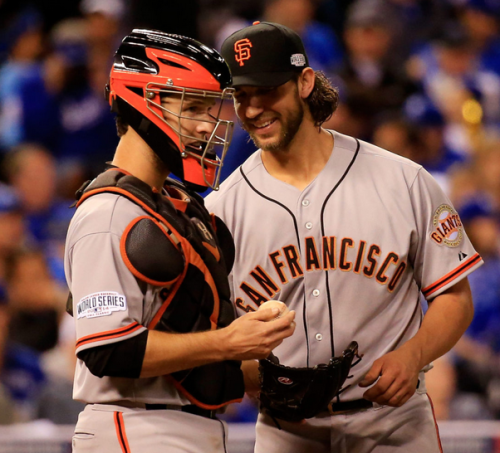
(306, 82)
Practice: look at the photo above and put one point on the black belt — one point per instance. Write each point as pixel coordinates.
(346, 406)
(190, 409)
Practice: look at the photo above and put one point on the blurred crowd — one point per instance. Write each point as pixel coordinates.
(420, 78)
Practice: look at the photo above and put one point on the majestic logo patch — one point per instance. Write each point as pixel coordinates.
(285, 380)
(242, 49)
(448, 229)
(100, 304)
(297, 59)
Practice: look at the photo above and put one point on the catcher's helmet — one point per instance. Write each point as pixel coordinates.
(149, 65)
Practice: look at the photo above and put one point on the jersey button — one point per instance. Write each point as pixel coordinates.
(316, 293)
(319, 337)
(305, 202)
(309, 225)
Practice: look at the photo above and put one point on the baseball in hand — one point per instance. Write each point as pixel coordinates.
(283, 309)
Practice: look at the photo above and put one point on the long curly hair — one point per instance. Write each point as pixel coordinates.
(323, 100)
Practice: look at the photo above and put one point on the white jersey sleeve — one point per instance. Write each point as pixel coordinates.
(442, 252)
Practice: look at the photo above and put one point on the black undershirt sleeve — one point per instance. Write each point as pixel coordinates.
(121, 359)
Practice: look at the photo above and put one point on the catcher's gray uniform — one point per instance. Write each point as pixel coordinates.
(351, 253)
(109, 306)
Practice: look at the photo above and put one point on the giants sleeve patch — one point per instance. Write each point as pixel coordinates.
(100, 304)
(448, 229)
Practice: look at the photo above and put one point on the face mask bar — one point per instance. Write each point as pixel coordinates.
(221, 135)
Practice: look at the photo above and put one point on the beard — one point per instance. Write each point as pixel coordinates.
(290, 125)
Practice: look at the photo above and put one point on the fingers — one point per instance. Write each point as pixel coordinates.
(264, 322)
(372, 375)
(254, 335)
(282, 327)
(284, 321)
(382, 391)
(266, 314)
(391, 390)
(397, 399)
(404, 399)
(400, 398)
(277, 330)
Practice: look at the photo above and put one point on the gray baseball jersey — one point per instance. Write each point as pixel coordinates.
(108, 304)
(351, 253)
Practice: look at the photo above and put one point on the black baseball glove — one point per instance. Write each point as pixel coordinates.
(293, 394)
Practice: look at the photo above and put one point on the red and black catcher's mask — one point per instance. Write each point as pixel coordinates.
(149, 65)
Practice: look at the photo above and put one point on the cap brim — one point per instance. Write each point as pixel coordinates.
(263, 79)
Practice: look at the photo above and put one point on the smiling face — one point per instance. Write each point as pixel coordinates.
(271, 115)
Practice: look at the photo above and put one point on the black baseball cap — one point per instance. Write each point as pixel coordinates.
(264, 54)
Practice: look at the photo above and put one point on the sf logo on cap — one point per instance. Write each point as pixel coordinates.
(242, 49)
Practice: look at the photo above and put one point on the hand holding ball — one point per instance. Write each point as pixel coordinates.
(283, 309)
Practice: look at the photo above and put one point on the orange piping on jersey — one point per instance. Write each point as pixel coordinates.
(213, 250)
(435, 424)
(126, 259)
(471, 262)
(120, 432)
(191, 398)
(122, 331)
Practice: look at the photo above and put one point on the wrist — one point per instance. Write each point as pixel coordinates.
(250, 369)
(218, 343)
(413, 348)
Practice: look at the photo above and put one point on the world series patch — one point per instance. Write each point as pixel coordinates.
(448, 229)
(100, 304)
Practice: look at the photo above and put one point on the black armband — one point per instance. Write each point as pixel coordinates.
(122, 359)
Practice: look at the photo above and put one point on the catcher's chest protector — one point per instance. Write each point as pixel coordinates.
(175, 247)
